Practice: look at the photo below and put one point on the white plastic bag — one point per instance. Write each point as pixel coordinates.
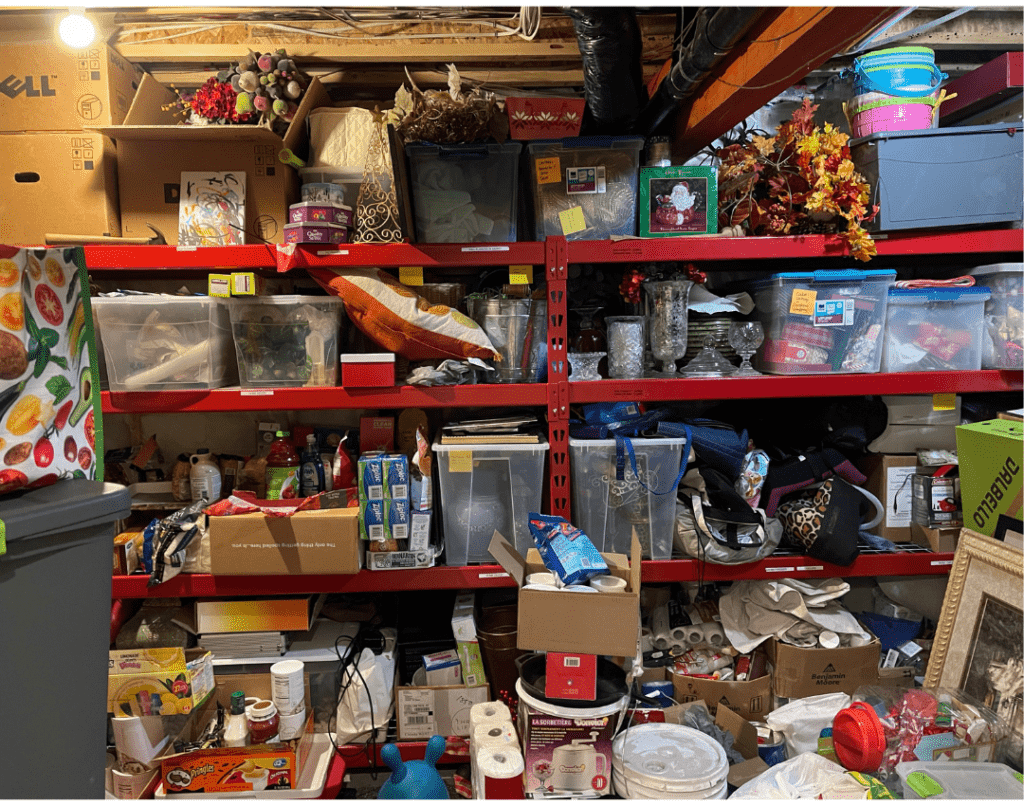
(807, 775)
(372, 686)
(801, 721)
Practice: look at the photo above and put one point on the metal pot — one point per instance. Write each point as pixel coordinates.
(611, 682)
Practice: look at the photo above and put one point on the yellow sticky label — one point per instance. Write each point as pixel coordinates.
(572, 220)
(410, 275)
(802, 303)
(219, 285)
(945, 401)
(549, 169)
(460, 462)
(520, 275)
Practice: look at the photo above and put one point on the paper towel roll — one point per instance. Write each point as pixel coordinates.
(679, 635)
(694, 634)
(487, 713)
(495, 735)
(660, 624)
(501, 771)
(662, 640)
(713, 633)
(138, 739)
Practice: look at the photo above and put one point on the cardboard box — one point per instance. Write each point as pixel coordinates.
(52, 88)
(153, 150)
(560, 621)
(322, 541)
(466, 642)
(182, 679)
(257, 615)
(273, 766)
(57, 182)
(423, 711)
(799, 672)
(751, 699)
(888, 478)
(990, 455)
(126, 551)
(443, 668)
(391, 560)
(941, 540)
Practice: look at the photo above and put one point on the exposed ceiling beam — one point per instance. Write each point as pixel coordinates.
(983, 28)
(780, 51)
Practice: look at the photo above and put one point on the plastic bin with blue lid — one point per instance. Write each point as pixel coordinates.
(55, 632)
(951, 177)
(584, 188)
(464, 193)
(823, 322)
(934, 329)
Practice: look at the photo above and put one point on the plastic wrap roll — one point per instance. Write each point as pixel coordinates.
(501, 771)
(487, 713)
(713, 633)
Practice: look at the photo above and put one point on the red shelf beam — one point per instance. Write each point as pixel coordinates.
(493, 576)
(174, 259)
(359, 757)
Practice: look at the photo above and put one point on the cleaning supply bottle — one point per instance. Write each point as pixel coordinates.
(311, 475)
(204, 476)
(236, 730)
(282, 469)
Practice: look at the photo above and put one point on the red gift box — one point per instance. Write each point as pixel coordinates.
(544, 118)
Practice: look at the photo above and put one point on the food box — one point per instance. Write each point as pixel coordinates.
(315, 232)
(311, 211)
(158, 681)
(934, 329)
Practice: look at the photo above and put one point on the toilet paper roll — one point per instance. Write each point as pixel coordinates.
(501, 771)
(677, 649)
(828, 639)
(713, 633)
(540, 578)
(488, 713)
(495, 735)
(138, 739)
(291, 725)
(660, 624)
(608, 584)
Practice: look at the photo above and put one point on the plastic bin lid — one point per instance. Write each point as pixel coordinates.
(597, 141)
(978, 293)
(462, 150)
(858, 738)
(952, 131)
(68, 504)
(287, 299)
(835, 275)
(957, 780)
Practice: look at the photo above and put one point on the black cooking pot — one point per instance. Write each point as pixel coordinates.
(611, 682)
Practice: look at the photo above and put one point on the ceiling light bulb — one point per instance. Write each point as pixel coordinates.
(77, 31)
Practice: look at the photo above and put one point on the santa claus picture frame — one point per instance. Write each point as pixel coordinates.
(678, 201)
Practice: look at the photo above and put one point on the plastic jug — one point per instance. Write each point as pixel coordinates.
(204, 476)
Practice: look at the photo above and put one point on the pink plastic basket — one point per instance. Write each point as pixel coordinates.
(876, 112)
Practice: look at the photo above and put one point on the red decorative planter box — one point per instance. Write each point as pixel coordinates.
(544, 118)
(368, 369)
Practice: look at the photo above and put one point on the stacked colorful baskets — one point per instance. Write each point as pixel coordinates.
(896, 89)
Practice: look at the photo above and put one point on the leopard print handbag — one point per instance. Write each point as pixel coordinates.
(824, 523)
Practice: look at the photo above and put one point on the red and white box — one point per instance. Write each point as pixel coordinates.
(368, 369)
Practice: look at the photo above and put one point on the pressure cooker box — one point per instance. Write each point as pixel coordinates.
(564, 621)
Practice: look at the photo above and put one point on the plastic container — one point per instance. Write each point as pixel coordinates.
(584, 188)
(318, 211)
(934, 329)
(946, 177)
(204, 476)
(488, 487)
(263, 720)
(55, 581)
(464, 193)
(153, 342)
(331, 185)
(1003, 341)
(286, 340)
(236, 728)
(316, 232)
(824, 322)
(608, 510)
(959, 780)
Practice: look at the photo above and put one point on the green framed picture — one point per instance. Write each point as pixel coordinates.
(678, 201)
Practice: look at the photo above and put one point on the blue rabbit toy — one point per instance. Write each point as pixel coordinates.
(414, 780)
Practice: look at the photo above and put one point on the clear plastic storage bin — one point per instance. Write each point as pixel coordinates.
(488, 487)
(464, 193)
(608, 510)
(152, 342)
(823, 322)
(1004, 312)
(585, 187)
(286, 340)
(934, 329)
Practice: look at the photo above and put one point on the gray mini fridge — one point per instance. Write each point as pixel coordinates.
(55, 637)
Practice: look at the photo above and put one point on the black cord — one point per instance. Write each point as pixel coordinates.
(350, 664)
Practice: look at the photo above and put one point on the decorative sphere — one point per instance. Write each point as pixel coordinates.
(280, 106)
(265, 63)
(292, 89)
(248, 81)
(261, 102)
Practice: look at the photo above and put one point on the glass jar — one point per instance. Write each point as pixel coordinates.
(263, 719)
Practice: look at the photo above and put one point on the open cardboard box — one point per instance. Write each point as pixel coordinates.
(802, 672)
(589, 623)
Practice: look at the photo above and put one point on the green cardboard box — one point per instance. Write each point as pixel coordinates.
(990, 455)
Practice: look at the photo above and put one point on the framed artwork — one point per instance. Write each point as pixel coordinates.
(678, 201)
(211, 208)
(979, 643)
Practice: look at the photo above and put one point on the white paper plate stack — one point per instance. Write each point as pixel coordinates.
(668, 762)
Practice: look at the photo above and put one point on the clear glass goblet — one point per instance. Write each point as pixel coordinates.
(745, 338)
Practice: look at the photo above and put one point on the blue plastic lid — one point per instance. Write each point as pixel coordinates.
(836, 275)
(978, 292)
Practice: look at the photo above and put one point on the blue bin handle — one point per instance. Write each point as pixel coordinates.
(937, 78)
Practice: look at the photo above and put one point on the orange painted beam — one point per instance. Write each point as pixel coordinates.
(786, 45)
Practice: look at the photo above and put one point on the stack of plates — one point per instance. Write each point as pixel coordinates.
(715, 326)
(668, 762)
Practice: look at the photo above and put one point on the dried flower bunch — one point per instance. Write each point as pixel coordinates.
(451, 116)
(799, 181)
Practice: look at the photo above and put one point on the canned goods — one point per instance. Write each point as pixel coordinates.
(771, 746)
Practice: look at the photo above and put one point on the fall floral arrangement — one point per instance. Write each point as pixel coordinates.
(802, 180)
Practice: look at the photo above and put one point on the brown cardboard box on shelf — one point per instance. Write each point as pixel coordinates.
(324, 541)
(941, 540)
(52, 88)
(153, 150)
(800, 672)
(57, 182)
(751, 699)
(422, 711)
(888, 479)
(559, 621)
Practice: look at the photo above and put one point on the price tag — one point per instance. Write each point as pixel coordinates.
(257, 392)
(410, 275)
(493, 576)
(945, 401)
(810, 568)
(219, 285)
(520, 275)
(802, 302)
(572, 220)
(460, 462)
(782, 569)
(935, 563)
(549, 169)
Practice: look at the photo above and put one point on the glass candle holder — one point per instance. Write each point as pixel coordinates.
(626, 341)
(584, 366)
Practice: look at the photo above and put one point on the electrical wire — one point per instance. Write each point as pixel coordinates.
(350, 663)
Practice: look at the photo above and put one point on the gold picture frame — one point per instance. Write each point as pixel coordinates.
(979, 641)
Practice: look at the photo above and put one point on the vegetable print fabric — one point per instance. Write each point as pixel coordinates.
(50, 425)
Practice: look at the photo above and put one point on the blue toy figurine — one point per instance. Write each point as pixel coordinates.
(414, 780)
